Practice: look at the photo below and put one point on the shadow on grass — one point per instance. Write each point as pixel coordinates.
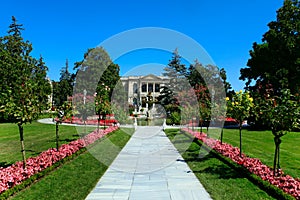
(220, 170)
(5, 164)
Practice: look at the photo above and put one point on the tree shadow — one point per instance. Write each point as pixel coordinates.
(222, 171)
(199, 153)
(67, 140)
(33, 152)
(5, 164)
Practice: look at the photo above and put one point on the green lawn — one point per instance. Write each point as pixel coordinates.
(222, 182)
(37, 138)
(75, 179)
(260, 144)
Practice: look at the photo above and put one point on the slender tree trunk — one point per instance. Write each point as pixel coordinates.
(22, 144)
(57, 136)
(275, 160)
(278, 158)
(240, 139)
(207, 130)
(222, 135)
(276, 165)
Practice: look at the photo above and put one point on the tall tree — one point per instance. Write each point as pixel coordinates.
(64, 88)
(278, 56)
(176, 72)
(20, 77)
(227, 86)
(90, 70)
(98, 76)
(44, 89)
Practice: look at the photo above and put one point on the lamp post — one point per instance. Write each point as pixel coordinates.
(84, 110)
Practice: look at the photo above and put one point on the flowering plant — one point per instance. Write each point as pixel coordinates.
(239, 108)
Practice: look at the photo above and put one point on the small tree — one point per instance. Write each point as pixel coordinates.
(102, 104)
(64, 112)
(239, 108)
(281, 113)
(203, 98)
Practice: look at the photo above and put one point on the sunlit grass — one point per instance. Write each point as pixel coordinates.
(260, 144)
(37, 138)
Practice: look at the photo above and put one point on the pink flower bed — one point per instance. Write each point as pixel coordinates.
(76, 120)
(15, 174)
(287, 183)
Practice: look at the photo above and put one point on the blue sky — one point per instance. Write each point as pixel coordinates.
(65, 29)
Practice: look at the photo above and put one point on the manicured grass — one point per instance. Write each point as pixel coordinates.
(37, 138)
(219, 179)
(75, 179)
(260, 144)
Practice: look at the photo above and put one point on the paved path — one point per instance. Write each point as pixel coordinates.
(148, 167)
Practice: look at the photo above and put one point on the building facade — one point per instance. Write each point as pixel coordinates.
(142, 90)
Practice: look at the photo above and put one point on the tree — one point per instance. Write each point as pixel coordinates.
(279, 54)
(177, 74)
(209, 83)
(95, 74)
(44, 89)
(105, 87)
(228, 89)
(239, 108)
(64, 112)
(280, 112)
(64, 88)
(20, 75)
(90, 70)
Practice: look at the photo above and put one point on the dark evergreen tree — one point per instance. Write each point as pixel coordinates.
(278, 56)
(44, 89)
(64, 88)
(176, 72)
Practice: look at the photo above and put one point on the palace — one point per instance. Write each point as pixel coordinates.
(143, 89)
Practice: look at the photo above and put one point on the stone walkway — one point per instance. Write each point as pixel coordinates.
(149, 167)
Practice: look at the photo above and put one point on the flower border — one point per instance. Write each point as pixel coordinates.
(286, 183)
(15, 174)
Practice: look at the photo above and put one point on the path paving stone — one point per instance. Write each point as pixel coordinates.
(149, 167)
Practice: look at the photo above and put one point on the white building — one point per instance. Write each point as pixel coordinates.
(143, 89)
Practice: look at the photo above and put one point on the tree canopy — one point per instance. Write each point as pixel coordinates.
(64, 87)
(23, 84)
(278, 56)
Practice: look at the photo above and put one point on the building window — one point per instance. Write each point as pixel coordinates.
(157, 87)
(135, 88)
(144, 87)
(150, 87)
